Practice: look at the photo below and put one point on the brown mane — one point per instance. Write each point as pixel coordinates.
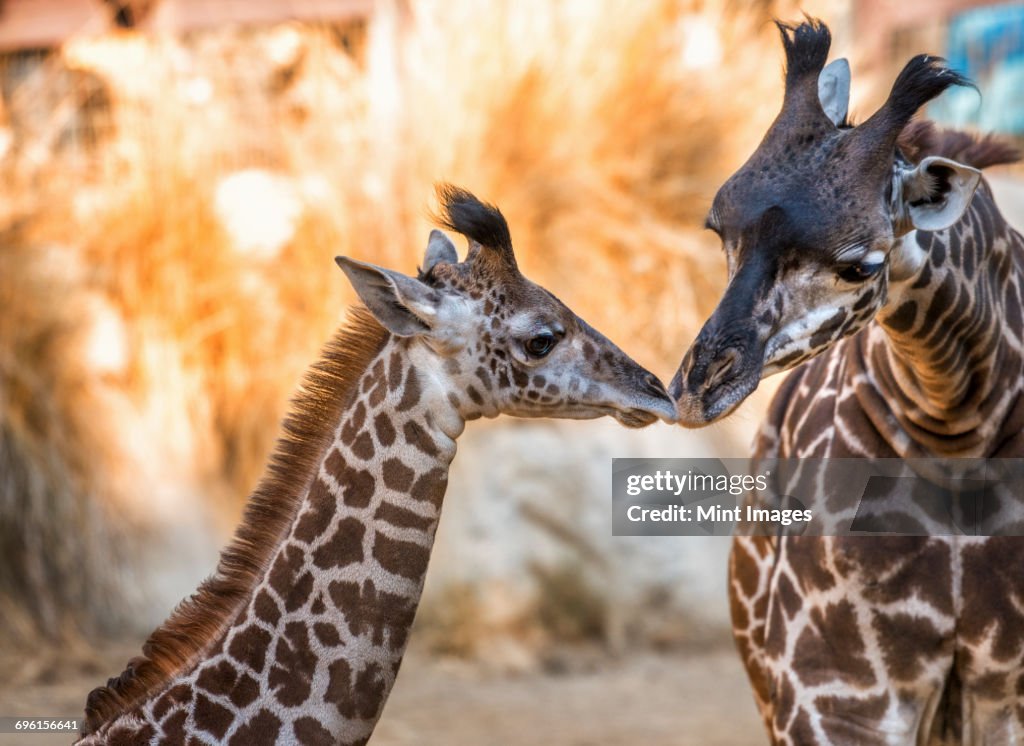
(323, 394)
(922, 138)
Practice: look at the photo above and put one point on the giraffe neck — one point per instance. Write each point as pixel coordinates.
(946, 351)
(314, 651)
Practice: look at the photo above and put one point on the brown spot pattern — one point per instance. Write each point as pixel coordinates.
(345, 547)
(261, 730)
(291, 674)
(249, 646)
(378, 614)
(401, 557)
(397, 476)
(211, 717)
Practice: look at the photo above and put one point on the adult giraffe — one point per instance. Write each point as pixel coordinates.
(298, 636)
(885, 260)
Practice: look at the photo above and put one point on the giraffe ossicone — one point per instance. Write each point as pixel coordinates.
(875, 255)
(298, 635)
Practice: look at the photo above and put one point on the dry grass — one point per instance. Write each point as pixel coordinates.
(57, 536)
(601, 131)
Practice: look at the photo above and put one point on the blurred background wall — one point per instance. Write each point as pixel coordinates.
(176, 177)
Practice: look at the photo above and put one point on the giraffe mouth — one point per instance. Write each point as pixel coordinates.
(652, 404)
(635, 418)
(708, 404)
(704, 402)
(723, 366)
(642, 414)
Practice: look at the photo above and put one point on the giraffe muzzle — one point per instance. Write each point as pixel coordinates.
(652, 404)
(717, 374)
(622, 388)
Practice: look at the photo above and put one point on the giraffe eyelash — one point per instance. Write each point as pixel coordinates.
(853, 252)
(711, 221)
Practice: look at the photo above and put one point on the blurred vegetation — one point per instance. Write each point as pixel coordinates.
(56, 533)
(171, 207)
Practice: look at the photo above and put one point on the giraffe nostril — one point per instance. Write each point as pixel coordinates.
(720, 369)
(654, 386)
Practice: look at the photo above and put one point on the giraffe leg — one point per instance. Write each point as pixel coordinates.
(991, 721)
(849, 663)
(832, 703)
(990, 652)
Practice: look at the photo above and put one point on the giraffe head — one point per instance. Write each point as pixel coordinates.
(501, 343)
(812, 225)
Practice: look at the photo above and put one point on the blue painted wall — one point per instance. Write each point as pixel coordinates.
(987, 44)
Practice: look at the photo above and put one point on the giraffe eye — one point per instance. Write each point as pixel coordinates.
(540, 345)
(860, 272)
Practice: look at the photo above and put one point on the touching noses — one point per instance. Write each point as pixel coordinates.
(708, 364)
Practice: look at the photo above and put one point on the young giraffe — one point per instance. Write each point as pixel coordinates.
(882, 259)
(298, 636)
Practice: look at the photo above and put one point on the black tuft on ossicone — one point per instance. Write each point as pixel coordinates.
(806, 48)
(921, 80)
(479, 221)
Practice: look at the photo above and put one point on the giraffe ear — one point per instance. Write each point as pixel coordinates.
(937, 192)
(439, 250)
(834, 90)
(405, 306)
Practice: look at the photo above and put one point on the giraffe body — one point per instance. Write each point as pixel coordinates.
(299, 635)
(889, 640)
(872, 256)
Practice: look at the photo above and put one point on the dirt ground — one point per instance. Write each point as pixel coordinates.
(677, 699)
